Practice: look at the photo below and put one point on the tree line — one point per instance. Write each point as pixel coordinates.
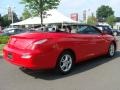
(39, 7)
(104, 14)
(4, 21)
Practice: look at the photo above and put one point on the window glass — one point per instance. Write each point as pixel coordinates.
(87, 30)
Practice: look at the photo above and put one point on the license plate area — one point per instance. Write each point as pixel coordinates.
(10, 56)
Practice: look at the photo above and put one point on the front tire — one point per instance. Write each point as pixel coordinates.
(65, 62)
(112, 50)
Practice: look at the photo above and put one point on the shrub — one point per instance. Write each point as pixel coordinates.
(4, 39)
(1, 47)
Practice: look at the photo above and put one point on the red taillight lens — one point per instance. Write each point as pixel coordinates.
(41, 41)
(38, 43)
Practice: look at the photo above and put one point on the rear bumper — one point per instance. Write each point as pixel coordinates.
(38, 60)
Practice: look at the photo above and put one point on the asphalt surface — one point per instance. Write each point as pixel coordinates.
(98, 74)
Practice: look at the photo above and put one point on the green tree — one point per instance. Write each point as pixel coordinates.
(21, 18)
(26, 14)
(117, 19)
(40, 6)
(6, 22)
(15, 17)
(111, 20)
(104, 12)
(0, 20)
(92, 20)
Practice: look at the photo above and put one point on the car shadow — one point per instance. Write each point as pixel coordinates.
(79, 68)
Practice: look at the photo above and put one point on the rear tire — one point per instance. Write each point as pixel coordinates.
(65, 62)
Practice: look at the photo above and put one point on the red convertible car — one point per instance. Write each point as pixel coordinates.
(59, 50)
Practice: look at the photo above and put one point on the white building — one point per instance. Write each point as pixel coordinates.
(117, 26)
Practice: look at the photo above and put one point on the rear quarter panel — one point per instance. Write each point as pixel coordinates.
(66, 43)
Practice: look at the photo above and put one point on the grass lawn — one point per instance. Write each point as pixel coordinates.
(1, 47)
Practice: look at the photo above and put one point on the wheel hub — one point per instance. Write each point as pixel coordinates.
(66, 63)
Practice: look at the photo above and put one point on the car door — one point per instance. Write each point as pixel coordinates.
(99, 43)
(89, 41)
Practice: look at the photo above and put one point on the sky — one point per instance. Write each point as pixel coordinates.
(66, 6)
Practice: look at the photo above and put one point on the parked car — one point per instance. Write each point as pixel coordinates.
(116, 32)
(13, 31)
(1, 32)
(105, 28)
(59, 50)
(108, 30)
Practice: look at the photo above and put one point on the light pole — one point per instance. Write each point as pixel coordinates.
(12, 18)
(88, 14)
(12, 12)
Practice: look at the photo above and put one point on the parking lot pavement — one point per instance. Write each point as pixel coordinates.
(98, 74)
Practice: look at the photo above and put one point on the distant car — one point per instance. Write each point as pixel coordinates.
(105, 28)
(59, 50)
(116, 32)
(1, 32)
(13, 31)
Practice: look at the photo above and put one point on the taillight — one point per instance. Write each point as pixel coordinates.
(38, 43)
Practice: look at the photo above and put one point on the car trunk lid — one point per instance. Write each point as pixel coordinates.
(23, 41)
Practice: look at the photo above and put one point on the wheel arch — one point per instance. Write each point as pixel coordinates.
(68, 50)
(114, 44)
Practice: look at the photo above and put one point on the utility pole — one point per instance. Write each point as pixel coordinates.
(11, 14)
(84, 16)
